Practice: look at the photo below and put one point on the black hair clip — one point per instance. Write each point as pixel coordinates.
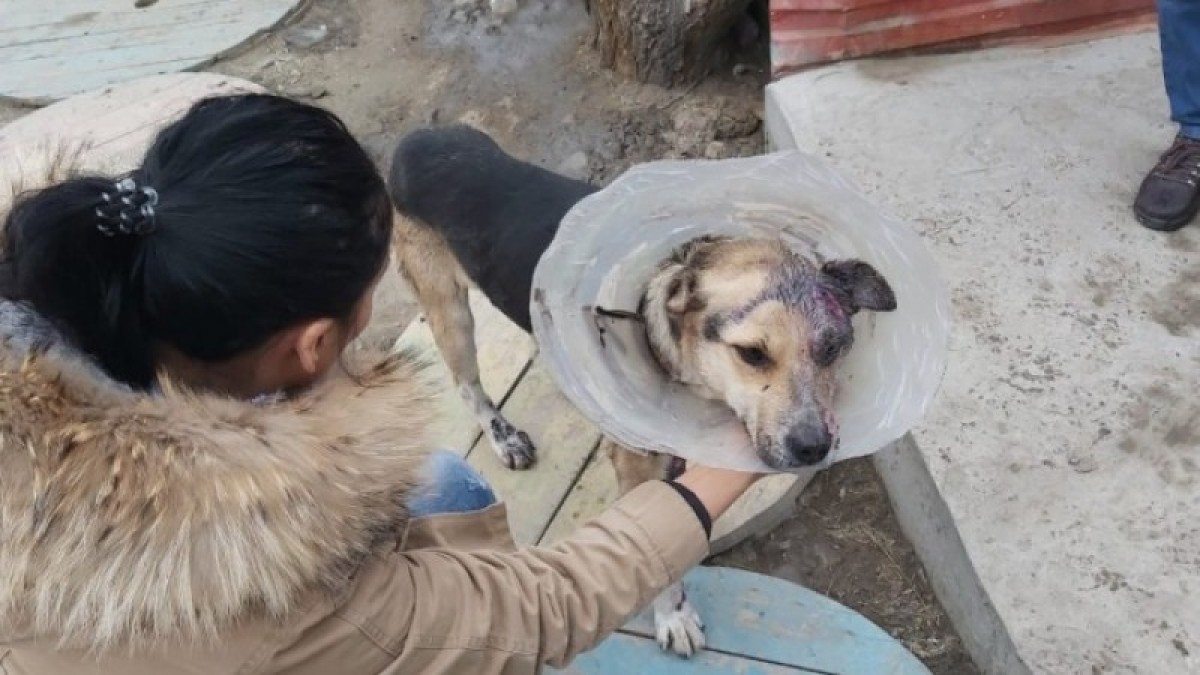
(128, 209)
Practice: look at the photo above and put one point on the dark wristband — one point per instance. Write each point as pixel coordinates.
(697, 506)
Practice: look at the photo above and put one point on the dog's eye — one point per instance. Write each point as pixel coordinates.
(753, 356)
(825, 354)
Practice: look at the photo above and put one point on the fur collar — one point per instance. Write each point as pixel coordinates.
(126, 516)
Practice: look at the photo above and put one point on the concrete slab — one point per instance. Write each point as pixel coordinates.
(1054, 491)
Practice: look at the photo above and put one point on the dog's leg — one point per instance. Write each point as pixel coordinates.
(677, 626)
(454, 332)
(441, 287)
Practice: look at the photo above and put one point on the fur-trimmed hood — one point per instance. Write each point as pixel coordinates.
(127, 516)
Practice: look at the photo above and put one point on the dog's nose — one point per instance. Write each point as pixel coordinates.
(809, 445)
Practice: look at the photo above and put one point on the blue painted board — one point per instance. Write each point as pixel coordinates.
(772, 621)
(634, 655)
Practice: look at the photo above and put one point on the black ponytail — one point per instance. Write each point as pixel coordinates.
(88, 283)
(250, 214)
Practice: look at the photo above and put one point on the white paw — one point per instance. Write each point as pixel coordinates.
(513, 446)
(679, 630)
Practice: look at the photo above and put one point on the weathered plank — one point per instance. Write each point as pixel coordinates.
(52, 50)
(594, 492)
(776, 621)
(504, 352)
(565, 442)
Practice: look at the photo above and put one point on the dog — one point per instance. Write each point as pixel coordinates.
(745, 321)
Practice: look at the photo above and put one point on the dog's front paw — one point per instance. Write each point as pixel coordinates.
(679, 629)
(512, 445)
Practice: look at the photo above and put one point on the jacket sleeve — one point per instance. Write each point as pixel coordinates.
(538, 604)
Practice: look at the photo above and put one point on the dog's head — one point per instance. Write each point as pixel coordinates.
(751, 323)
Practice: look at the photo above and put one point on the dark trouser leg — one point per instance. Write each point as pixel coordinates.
(1179, 31)
(454, 487)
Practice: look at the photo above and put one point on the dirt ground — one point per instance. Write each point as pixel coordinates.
(390, 66)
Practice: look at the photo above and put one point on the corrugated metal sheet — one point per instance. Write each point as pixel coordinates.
(808, 32)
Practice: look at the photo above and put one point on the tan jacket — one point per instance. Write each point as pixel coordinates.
(182, 533)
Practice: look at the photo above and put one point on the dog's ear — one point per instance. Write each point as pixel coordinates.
(681, 291)
(688, 260)
(694, 254)
(862, 284)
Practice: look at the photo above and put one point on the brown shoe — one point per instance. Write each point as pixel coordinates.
(1170, 195)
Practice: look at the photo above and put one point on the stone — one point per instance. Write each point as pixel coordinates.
(503, 8)
(574, 166)
(306, 37)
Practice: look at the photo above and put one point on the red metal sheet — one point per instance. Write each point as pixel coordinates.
(808, 32)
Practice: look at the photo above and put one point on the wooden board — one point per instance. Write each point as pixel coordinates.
(565, 443)
(504, 352)
(52, 50)
(637, 655)
(594, 492)
(106, 131)
(757, 624)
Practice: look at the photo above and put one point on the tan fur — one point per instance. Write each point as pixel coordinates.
(441, 288)
(634, 468)
(126, 516)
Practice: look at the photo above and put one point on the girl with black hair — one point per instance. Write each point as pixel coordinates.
(189, 484)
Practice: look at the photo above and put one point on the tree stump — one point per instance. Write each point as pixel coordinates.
(670, 43)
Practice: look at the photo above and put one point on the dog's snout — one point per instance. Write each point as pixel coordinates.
(809, 445)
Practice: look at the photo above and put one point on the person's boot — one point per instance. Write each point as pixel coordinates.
(1170, 194)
